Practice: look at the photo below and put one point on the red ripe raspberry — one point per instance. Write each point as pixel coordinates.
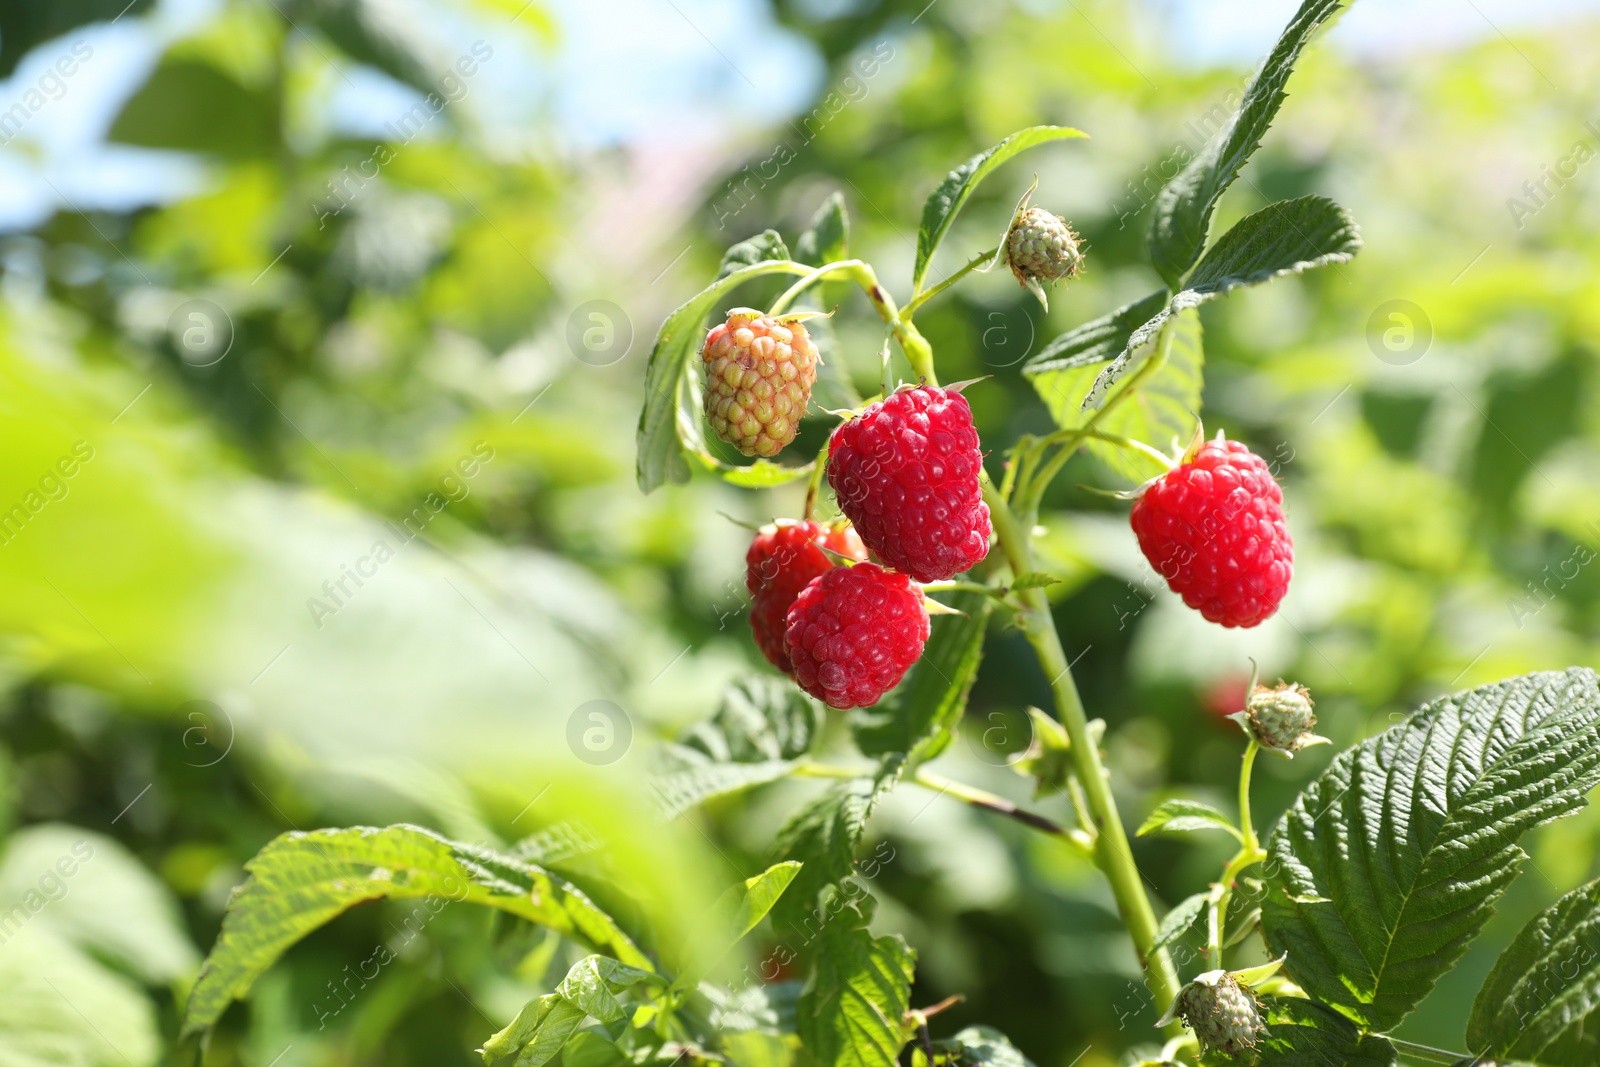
(906, 474)
(782, 561)
(853, 633)
(1213, 527)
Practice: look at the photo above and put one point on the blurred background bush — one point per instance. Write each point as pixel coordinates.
(321, 344)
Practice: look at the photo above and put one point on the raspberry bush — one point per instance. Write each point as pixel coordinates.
(1311, 946)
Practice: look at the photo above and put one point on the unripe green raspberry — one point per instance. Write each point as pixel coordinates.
(1042, 248)
(1222, 1013)
(1281, 717)
(759, 372)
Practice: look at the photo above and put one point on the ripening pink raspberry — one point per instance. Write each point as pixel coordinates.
(905, 472)
(759, 372)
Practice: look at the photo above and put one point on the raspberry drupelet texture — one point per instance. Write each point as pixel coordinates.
(853, 633)
(906, 474)
(1214, 529)
(759, 373)
(783, 559)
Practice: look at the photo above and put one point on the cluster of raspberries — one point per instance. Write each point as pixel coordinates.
(905, 472)
(906, 476)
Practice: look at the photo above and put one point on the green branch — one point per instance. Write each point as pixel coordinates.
(1028, 496)
(1077, 840)
(967, 268)
(1111, 850)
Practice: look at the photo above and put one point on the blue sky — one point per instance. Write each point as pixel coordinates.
(623, 69)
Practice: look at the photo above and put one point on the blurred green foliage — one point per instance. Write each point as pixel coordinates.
(398, 308)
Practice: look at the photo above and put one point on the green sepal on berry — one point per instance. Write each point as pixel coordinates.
(1048, 759)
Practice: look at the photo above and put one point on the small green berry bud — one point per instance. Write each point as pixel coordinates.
(1281, 718)
(1041, 248)
(1223, 1013)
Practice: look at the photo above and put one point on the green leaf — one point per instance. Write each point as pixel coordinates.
(736, 913)
(1302, 1032)
(302, 880)
(1289, 237)
(1176, 923)
(593, 988)
(762, 474)
(827, 239)
(823, 836)
(375, 33)
(757, 736)
(23, 27)
(1540, 1001)
(110, 905)
(920, 715)
(851, 1012)
(697, 779)
(1048, 760)
(750, 902)
(764, 247)
(979, 1046)
(1165, 407)
(1034, 580)
(669, 396)
(762, 717)
(61, 1007)
(1179, 816)
(952, 194)
(1183, 208)
(1390, 863)
(1097, 341)
(189, 105)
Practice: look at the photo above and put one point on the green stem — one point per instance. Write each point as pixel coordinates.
(979, 798)
(809, 279)
(1249, 853)
(1427, 1053)
(918, 352)
(1028, 496)
(1112, 852)
(829, 770)
(1251, 844)
(1077, 840)
(928, 294)
(962, 587)
(814, 483)
(1135, 445)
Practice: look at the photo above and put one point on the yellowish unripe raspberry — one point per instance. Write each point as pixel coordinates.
(759, 372)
